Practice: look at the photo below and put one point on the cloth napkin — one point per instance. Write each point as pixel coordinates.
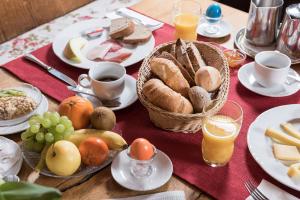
(134, 14)
(273, 192)
(170, 195)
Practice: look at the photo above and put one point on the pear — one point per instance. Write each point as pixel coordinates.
(73, 48)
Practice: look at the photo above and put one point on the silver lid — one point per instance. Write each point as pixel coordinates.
(293, 10)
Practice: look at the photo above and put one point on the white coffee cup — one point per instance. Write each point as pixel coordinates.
(107, 80)
(271, 68)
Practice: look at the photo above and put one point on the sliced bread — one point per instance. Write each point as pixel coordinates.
(195, 56)
(184, 72)
(121, 27)
(141, 34)
(183, 58)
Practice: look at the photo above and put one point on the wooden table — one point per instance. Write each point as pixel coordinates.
(102, 185)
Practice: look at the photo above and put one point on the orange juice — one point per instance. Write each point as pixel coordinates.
(219, 133)
(186, 26)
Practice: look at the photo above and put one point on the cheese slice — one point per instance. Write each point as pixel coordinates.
(286, 152)
(284, 138)
(294, 170)
(290, 129)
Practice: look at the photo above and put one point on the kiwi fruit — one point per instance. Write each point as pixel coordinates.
(103, 118)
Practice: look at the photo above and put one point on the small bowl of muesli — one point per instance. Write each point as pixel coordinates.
(18, 103)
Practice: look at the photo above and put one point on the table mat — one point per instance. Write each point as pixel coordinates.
(184, 150)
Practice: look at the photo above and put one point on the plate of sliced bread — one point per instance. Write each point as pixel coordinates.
(179, 79)
(85, 44)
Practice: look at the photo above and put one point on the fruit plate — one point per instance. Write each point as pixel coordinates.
(32, 158)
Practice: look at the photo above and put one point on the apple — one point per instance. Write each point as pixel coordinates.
(63, 158)
(73, 48)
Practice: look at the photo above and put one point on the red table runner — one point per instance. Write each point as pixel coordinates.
(184, 149)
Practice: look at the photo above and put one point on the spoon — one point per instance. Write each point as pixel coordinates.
(296, 78)
(11, 178)
(107, 103)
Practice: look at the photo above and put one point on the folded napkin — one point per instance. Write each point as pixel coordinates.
(143, 18)
(170, 195)
(273, 192)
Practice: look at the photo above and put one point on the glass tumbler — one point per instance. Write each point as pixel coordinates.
(219, 134)
(186, 16)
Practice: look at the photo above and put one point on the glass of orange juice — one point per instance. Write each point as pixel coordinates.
(219, 134)
(186, 18)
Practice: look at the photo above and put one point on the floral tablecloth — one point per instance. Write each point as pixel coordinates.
(44, 34)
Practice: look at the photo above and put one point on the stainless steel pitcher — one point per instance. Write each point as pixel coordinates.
(289, 36)
(263, 21)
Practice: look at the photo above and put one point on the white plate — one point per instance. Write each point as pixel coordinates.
(139, 52)
(12, 151)
(163, 169)
(128, 96)
(30, 91)
(247, 79)
(224, 29)
(260, 146)
(6, 130)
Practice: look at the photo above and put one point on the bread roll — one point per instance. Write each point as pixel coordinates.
(199, 97)
(164, 97)
(170, 74)
(184, 72)
(209, 78)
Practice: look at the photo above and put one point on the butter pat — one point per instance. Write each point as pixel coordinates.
(282, 137)
(294, 170)
(290, 129)
(286, 152)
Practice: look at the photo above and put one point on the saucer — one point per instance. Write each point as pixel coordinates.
(224, 29)
(247, 79)
(163, 169)
(128, 96)
(7, 130)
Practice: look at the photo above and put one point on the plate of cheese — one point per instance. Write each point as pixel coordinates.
(274, 142)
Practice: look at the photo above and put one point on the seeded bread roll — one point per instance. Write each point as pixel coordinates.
(141, 34)
(164, 97)
(170, 74)
(121, 27)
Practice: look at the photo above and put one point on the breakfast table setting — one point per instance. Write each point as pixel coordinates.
(132, 99)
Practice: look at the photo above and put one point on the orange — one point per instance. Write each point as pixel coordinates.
(141, 149)
(93, 151)
(78, 110)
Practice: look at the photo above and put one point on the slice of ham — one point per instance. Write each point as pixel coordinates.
(109, 50)
(117, 56)
(99, 52)
(115, 45)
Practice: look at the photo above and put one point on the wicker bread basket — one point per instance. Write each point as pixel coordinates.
(177, 122)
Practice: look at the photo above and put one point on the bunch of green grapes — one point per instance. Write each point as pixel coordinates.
(47, 128)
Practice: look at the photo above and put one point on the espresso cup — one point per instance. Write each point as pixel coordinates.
(107, 80)
(271, 68)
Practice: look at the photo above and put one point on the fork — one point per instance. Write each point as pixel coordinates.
(255, 193)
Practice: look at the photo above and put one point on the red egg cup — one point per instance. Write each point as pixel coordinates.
(141, 168)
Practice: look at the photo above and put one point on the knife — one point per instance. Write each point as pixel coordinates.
(51, 70)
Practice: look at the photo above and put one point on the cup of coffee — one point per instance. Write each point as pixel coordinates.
(107, 80)
(271, 68)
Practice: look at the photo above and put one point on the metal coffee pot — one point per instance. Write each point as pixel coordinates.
(289, 36)
(263, 22)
